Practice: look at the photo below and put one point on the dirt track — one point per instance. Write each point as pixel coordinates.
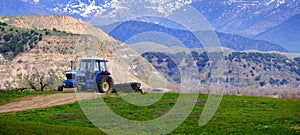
(44, 101)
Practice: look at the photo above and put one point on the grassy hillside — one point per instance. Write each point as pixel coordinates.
(236, 115)
(14, 41)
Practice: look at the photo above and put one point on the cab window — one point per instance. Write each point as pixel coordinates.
(85, 66)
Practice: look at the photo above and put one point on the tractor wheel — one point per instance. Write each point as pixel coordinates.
(60, 88)
(114, 91)
(105, 84)
(80, 87)
(140, 91)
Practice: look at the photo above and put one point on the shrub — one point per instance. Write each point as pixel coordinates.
(195, 55)
(262, 83)
(7, 37)
(3, 24)
(47, 33)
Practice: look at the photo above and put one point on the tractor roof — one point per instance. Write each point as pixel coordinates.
(70, 71)
(90, 58)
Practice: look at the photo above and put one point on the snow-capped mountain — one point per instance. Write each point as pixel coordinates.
(247, 17)
(116, 10)
(243, 17)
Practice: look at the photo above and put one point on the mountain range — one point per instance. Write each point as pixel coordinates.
(286, 34)
(269, 20)
(132, 32)
(246, 18)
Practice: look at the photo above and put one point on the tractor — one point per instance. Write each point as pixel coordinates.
(93, 74)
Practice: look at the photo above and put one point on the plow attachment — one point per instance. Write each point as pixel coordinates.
(129, 87)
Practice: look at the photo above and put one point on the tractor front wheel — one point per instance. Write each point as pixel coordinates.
(80, 88)
(60, 88)
(105, 84)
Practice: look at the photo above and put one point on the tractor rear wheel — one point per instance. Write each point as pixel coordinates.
(105, 84)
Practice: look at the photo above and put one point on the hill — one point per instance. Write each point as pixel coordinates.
(238, 71)
(62, 39)
(286, 34)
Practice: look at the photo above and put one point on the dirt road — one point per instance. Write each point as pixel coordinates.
(44, 101)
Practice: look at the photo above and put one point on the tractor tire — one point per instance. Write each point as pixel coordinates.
(114, 91)
(81, 88)
(60, 88)
(140, 91)
(105, 84)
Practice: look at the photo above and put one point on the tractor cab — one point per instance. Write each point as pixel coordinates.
(93, 74)
(94, 65)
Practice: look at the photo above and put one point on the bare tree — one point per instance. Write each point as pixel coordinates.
(43, 80)
(37, 80)
(31, 81)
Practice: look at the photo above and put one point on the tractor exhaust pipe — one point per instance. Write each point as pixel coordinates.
(73, 63)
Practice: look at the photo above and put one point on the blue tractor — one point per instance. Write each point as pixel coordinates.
(93, 74)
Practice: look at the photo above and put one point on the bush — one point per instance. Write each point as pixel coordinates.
(160, 60)
(284, 82)
(3, 24)
(201, 63)
(195, 55)
(263, 83)
(47, 33)
(7, 37)
(274, 81)
(297, 60)
(171, 64)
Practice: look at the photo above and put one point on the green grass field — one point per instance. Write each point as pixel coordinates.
(235, 115)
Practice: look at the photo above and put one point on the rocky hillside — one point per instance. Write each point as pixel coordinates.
(61, 39)
(242, 69)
